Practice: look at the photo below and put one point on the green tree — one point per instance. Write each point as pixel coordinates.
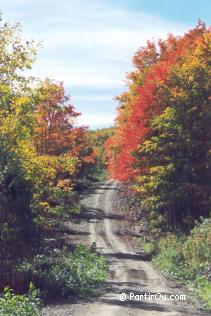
(16, 126)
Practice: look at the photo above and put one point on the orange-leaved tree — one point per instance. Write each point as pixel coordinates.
(162, 138)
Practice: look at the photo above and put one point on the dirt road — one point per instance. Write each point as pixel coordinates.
(129, 272)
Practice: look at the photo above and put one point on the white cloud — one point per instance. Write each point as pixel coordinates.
(78, 76)
(94, 98)
(94, 120)
(86, 43)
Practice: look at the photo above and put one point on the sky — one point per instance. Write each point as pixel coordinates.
(89, 44)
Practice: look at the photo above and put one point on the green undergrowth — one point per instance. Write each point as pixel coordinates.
(59, 274)
(188, 258)
(149, 247)
(12, 304)
(64, 274)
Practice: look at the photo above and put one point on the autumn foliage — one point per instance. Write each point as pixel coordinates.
(42, 153)
(56, 131)
(162, 139)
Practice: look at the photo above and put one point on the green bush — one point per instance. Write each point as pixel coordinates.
(197, 248)
(64, 274)
(20, 305)
(202, 287)
(18, 232)
(189, 258)
(170, 257)
(16, 218)
(149, 248)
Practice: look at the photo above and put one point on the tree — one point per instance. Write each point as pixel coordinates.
(162, 140)
(16, 125)
(55, 119)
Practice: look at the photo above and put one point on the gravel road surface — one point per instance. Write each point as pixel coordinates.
(129, 272)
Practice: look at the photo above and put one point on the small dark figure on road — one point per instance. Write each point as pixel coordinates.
(94, 247)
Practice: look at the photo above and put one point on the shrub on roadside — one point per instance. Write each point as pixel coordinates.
(17, 221)
(75, 274)
(197, 248)
(170, 257)
(202, 288)
(149, 248)
(189, 258)
(52, 177)
(16, 304)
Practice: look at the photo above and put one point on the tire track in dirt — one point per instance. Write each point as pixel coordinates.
(123, 271)
(128, 273)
